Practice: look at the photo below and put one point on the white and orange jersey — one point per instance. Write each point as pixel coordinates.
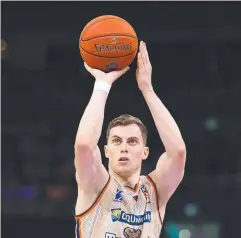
(121, 212)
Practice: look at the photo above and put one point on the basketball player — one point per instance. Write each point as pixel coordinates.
(120, 202)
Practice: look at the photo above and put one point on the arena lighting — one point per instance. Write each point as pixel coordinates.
(190, 210)
(189, 228)
(211, 124)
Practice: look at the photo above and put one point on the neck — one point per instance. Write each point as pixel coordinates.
(126, 180)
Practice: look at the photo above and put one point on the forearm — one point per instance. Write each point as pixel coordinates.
(166, 125)
(90, 126)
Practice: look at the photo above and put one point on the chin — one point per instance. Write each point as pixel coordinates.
(124, 171)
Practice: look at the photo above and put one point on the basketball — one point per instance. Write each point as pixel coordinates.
(108, 43)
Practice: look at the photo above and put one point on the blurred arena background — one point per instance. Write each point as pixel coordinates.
(195, 49)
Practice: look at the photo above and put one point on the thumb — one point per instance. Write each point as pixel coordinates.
(88, 68)
(121, 72)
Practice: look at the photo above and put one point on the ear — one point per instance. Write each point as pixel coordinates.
(106, 151)
(146, 153)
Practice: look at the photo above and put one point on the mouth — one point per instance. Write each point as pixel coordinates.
(123, 159)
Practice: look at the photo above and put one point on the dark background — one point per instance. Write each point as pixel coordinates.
(195, 49)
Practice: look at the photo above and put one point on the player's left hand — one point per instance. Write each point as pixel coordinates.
(144, 69)
(110, 77)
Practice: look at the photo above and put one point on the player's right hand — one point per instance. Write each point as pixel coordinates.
(107, 77)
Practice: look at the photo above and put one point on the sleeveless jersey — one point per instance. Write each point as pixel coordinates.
(120, 212)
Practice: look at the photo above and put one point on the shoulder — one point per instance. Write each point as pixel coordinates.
(149, 180)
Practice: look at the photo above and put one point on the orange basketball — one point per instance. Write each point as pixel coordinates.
(108, 43)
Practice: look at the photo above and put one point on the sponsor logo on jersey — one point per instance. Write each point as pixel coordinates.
(132, 233)
(128, 233)
(145, 192)
(110, 235)
(131, 219)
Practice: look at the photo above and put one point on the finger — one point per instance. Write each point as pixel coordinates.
(142, 51)
(139, 61)
(140, 46)
(119, 73)
(123, 71)
(146, 53)
(88, 68)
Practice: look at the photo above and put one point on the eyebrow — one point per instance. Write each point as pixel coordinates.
(132, 137)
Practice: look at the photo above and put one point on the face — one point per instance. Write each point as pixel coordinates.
(125, 149)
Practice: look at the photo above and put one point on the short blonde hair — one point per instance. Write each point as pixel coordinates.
(125, 120)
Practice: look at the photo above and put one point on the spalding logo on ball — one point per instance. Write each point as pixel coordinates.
(108, 43)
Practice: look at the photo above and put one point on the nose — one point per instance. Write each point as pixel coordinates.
(124, 148)
(124, 151)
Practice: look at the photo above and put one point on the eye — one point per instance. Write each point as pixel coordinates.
(116, 141)
(132, 141)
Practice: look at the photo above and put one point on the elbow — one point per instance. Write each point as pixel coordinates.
(181, 159)
(181, 152)
(82, 151)
(83, 141)
(82, 145)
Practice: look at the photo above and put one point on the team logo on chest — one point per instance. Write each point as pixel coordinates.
(118, 196)
(145, 192)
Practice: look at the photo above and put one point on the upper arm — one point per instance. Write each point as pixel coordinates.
(90, 172)
(167, 176)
